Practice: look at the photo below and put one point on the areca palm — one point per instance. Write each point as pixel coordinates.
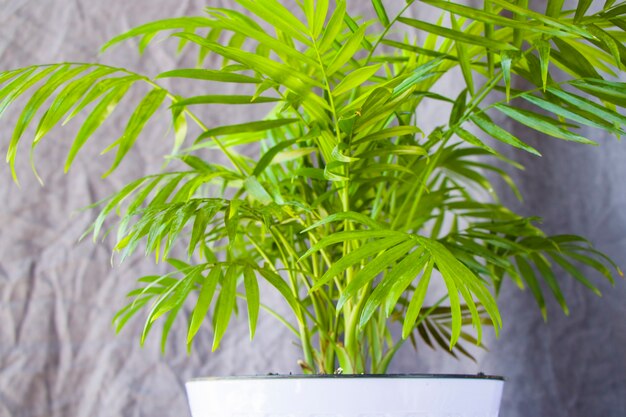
(348, 208)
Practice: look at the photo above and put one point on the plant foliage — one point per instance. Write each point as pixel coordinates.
(349, 209)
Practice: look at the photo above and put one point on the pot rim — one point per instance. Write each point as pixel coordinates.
(479, 376)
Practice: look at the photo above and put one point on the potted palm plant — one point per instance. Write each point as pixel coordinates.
(339, 198)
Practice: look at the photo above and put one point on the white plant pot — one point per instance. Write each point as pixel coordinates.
(346, 396)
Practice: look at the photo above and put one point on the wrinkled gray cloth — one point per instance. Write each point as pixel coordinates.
(59, 355)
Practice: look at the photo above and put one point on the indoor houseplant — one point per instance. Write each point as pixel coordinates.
(347, 207)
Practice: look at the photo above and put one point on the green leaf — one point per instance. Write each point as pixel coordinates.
(354, 27)
(284, 48)
(400, 275)
(321, 11)
(344, 359)
(473, 140)
(60, 76)
(203, 216)
(458, 108)
(8, 75)
(545, 269)
(358, 255)
(122, 316)
(565, 113)
(390, 132)
(381, 12)
(544, 57)
(257, 191)
(296, 81)
(574, 272)
(349, 235)
(458, 277)
(11, 92)
(178, 23)
(355, 79)
(581, 9)
(112, 202)
(231, 220)
(593, 263)
(179, 123)
(312, 173)
(369, 102)
(225, 99)
(334, 26)
(347, 215)
(259, 126)
(382, 169)
(277, 282)
(489, 17)
(421, 73)
(269, 155)
(293, 154)
(372, 269)
(618, 11)
(554, 7)
(225, 305)
(316, 15)
(529, 13)
(99, 89)
(417, 300)
(241, 18)
(573, 60)
(201, 309)
(403, 282)
(144, 111)
(95, 119)
(175, 302)
(167, 326)
(538, 122)
(252, 297)
(433, 96)
(394, 150)
(464, 58)
(347, 51)
(417, 49)
(613, 92)
(608, 43)
(457, 35)
(278, 16)
(210, 75)
(528, 274)
(589, 106)
(487, 126)
(167, 301)
(505, 62)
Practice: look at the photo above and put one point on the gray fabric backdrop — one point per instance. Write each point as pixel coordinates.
(59, 355)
